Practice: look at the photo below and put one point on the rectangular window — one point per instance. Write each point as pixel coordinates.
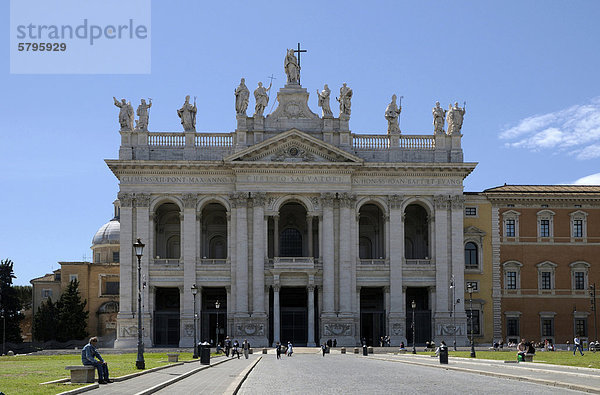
(97, 257)
(581, 327)
(512, 327)
(112, 288)
(116, 257)
(545, 228)
(546, 282)
(511, 280)
(473, 319)
(580, 280)
(510, 228)
(578, 228)
(46, 293)
(73, 277)
(471, 211)
(547, 326)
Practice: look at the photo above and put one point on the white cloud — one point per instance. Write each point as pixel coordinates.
(593, 179)
(575, 130)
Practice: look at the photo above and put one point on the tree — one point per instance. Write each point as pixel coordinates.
(24, 292)
(72, 315)
(10, 305)
(45, 321)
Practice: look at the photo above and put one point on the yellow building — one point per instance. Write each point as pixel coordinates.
(478, 269)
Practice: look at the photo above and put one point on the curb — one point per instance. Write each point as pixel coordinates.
(559, 384)
(160, 386)
(239, 380)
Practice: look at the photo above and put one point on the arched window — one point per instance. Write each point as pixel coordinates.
(291, 242)
(173, 247)
(471, 256)
(218, 248)
(365, 248)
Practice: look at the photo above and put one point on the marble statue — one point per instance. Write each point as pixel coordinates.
(143, 116)
(438, 118)
(262, 99)
(292, 69)
(391, 114)
(455, 118)
(324, 101)
(187, 113)
(125, 114)
(241, 98)
(345, 100)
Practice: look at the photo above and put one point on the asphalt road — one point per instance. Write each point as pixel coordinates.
(337, 374)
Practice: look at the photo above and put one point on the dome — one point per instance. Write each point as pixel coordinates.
(108, 233)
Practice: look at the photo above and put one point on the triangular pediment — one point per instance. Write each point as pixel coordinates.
(293, 146)
(474, 231)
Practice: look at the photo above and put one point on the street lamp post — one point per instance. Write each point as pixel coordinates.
(138, 246)
(217, 306)
(453, 288)
(470, 291)
(414, 306)
(594, 308)
(194, 292)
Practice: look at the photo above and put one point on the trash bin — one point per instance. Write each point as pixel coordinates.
(443, 355)
(365, 350)
(204, 353)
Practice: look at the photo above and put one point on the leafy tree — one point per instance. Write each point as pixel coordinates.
(10, 305)
(72, 315)
(45, 321)
(24, 292)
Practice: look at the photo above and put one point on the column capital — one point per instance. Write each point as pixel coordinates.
(458, 202)
(395, 201)
(189, 200)
(347, 200)
(276, 287)
(126, 199)
(440, 201)
(259, 199)
(142, 199)
(310, 288)
(327, 199)
(238, 199)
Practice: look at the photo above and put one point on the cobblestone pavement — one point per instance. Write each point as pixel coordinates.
(337, 374)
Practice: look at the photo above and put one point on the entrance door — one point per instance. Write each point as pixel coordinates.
(213, 322)
(294, 315)
(166, 317)
(372, 315)
(422, 316)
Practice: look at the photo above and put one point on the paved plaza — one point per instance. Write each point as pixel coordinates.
(309, 372)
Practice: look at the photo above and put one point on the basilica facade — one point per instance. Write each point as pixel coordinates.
(292, 227)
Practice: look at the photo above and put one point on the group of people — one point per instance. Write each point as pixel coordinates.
(524, 347)
(280, 348)
(384, 341)
(233, 348)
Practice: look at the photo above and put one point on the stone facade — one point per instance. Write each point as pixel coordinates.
(301, 229)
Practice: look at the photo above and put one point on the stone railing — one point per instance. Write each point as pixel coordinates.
(421, 262)
(166, 139)
(304, 262)
(373, 262)
(164, 261)
(417, 142)
(214, 140)
(212, 262)
(370, 141)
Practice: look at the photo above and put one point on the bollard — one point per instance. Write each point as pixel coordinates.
(264, 351)
(443, 355)
(343, 350)
(365, 350)
(355, 350)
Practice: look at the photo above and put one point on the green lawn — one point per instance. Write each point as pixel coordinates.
(589, 360)
(24, 373)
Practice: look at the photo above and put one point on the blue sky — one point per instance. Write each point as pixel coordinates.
(527, 70)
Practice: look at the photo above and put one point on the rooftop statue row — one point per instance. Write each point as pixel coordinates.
(454, 116)
(126, 116)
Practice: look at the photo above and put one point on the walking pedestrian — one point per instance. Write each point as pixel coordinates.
(577, 345)
(324, 348)
(236, 349)
(246, 348)
(227, 346)
(290, 349)
(278, 350)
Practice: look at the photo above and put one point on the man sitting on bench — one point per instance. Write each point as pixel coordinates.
(88, 355)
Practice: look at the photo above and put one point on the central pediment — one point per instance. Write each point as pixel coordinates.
(293, 146)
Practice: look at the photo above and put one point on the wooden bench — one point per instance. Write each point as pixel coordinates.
(82, 373)
(528, 358)
(173, 357)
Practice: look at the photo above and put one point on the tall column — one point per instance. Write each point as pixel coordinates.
(395, 237)
(442, 252)
(258, 254)
(346, 206)
(142, 201)
(125, 319)
(276, 235)
(199, 241)
(309, 231)
(240, 201)
(188, 249)
(276, 328)
(328, 254)
(458, 259)
(311, 315)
